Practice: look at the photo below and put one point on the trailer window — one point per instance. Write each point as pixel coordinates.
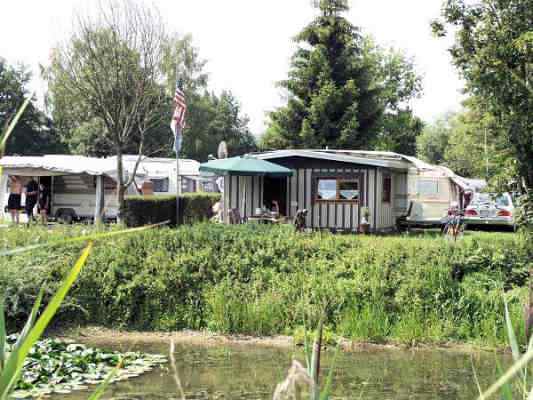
(387, 187)
(160, 185)
(333, 189)
(427, 187)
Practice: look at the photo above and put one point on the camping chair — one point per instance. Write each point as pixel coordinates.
(401, 222)
(299, 220)
(235, 217)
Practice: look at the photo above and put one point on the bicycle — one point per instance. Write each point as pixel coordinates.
(454, 225)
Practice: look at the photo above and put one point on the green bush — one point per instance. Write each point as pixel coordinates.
(264, 280)
(145, 210)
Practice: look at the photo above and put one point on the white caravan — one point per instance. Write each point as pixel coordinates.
(73, 181)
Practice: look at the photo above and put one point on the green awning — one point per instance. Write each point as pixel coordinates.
(245, 166)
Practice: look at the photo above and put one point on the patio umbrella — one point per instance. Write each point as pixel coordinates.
(245, 166)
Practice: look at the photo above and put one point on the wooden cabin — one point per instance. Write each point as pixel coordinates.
(335, 185)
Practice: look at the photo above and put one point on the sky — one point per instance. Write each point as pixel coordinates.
(248, 43)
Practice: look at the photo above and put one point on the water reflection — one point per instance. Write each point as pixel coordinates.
(249, 373)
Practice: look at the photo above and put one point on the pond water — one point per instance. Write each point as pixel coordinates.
(249, 373)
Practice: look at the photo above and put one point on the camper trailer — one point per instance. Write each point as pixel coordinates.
(336, 186)
(84, 187)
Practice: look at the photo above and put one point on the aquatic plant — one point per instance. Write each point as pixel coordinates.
(54, 366)
(12, 360)
(300, 380)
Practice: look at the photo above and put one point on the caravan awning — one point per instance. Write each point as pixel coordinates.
(57, 165)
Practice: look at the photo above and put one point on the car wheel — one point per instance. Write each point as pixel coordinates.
(65, 217)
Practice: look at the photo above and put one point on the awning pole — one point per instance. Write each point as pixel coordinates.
(99, 209)
(178, 189)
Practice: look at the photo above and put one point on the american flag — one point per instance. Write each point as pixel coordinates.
(178, 118)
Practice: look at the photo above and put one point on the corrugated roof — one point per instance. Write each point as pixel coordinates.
(376, 158)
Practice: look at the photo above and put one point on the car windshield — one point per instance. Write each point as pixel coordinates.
(488, 198)
(502, 201)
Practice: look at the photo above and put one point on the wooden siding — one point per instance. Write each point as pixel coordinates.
(325, 215)
(301, 189)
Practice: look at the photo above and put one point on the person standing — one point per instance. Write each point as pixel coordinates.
(32, 192)
(13, 202)
(44, 203)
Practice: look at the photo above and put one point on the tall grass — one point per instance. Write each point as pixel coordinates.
(517, 381)
(241, 279)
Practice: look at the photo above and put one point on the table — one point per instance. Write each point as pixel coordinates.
(265, 219)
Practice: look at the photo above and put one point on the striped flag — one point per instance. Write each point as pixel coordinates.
(178, 118)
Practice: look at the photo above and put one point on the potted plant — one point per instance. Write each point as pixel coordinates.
(365, 224)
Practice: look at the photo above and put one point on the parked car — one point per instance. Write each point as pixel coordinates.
(491, 209)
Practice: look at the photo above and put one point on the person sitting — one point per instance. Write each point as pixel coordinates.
(14, 200)
(275, 208)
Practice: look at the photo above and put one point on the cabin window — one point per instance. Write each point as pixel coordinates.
(387, 187)
(160, 185)
(333, 189)
(428, 187)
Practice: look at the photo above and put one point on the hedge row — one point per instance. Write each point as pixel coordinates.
(144, 210)
(264, 280)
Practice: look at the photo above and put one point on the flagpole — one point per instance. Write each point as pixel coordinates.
(178, 189)
(178, 181)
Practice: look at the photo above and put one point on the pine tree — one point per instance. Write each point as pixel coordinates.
(332, 97)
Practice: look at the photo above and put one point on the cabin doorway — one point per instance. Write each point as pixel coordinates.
(275, 189)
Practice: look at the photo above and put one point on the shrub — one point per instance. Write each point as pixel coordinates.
(144, 210)
(260, 280)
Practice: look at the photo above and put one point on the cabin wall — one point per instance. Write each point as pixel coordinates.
(325, 214)
(335, 215)
(244, 193)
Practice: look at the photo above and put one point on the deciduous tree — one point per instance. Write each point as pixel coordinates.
(34, 134)
(111, 68)
(493, 50)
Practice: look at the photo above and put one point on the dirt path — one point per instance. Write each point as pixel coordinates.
(101, 336)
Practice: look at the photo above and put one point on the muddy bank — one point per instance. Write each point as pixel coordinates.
(99, 336)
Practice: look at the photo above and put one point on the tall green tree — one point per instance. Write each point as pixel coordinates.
(210, 118)
(493, 50)
(340, 87)
(434, 140)
(218, 118)
(471, 142)
(476, 146)
(34, 134)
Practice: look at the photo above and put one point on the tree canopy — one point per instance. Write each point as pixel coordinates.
(470, 142)
(493, 50)
(34, 134)
(344, 91)
(210, 118)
